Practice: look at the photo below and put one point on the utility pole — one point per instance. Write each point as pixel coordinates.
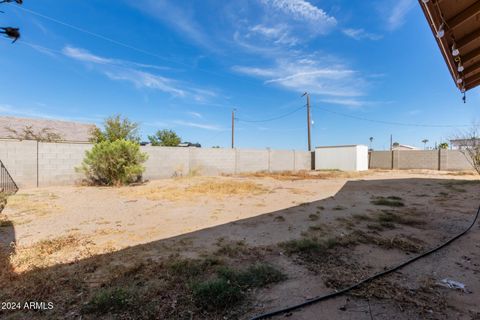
(233, 128)
(391, 142)
(308, 120)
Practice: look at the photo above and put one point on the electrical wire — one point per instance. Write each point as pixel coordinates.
(272, 119)
(376, 276)
(391, 122)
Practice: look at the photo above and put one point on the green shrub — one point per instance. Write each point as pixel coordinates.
(114, 163)
(108, 300)
(217, 294)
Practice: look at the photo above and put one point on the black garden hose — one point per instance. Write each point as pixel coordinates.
(376, 276)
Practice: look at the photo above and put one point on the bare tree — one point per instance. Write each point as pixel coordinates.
(11, 32)
(28, 133)
(469, 145)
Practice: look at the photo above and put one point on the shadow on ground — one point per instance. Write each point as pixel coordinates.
(183, 277)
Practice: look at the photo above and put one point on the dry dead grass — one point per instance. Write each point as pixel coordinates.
(50, 252)
(32, 205)
(185, 190)
(306, 175)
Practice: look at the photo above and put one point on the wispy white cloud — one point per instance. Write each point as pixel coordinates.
(306, 74)
(279, 34)
(303, 10)
(204, 126)
(360, 34)
(143, 79)
(397, 13)
(194, 114)
(122, 70)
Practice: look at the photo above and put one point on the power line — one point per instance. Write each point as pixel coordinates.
(391, 122)
(126, 45)
(274, 118)
(97, 35)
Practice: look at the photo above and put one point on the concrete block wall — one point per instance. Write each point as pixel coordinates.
(20, 159)
(45, 164)
(213, 161)
(165, 162)
(381, 160)
(417, 159)
(456, 160)
(304, 160)
(57, 162)
(420, 159)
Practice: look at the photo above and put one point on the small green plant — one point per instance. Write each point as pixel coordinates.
(304, 245)
(389, 201)
(231, 286)
(113, 163)
(258, 275)
(313, 217)
(217, 294)
(108, 300)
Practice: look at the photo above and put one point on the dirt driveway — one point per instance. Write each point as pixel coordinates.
(182, 248)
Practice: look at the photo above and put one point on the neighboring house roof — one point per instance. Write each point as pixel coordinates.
(404, 147)
(465, 142)
(69, 130)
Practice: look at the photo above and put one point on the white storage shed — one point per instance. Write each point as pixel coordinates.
(345, 158)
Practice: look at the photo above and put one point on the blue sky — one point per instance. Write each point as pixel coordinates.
(184, 65)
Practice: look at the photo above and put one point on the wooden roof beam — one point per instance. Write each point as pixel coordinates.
(472, 68)
(468, 39)
(464, 15)
(466, 58)
(473, 78)
(472, 84)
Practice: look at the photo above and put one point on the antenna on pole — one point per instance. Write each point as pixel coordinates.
(308, 120)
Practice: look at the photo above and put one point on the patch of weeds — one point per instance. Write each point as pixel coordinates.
(258, 275)
(394, 198)
(231, 286)
(190, 268)
(423, 195)
(320, 207)
(232, 249)
(454, 185)
(382, 201)
(109, 300)
(386, 218)
(217, 294)
(317, 227)
(348, 223)
(338, 208)
(404, 243)
(361, 217)
(313, 217)
(308, 245)
(375, 227)
(279, 218)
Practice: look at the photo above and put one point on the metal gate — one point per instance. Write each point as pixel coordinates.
(7, 185)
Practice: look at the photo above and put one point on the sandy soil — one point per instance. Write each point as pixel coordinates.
(176, 216)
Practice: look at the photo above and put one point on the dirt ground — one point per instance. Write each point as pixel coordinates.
(321, 231)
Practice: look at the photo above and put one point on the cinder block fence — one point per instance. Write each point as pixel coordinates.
(33, 163)
(419, 159)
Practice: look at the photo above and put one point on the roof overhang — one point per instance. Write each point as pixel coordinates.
(460, 22)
